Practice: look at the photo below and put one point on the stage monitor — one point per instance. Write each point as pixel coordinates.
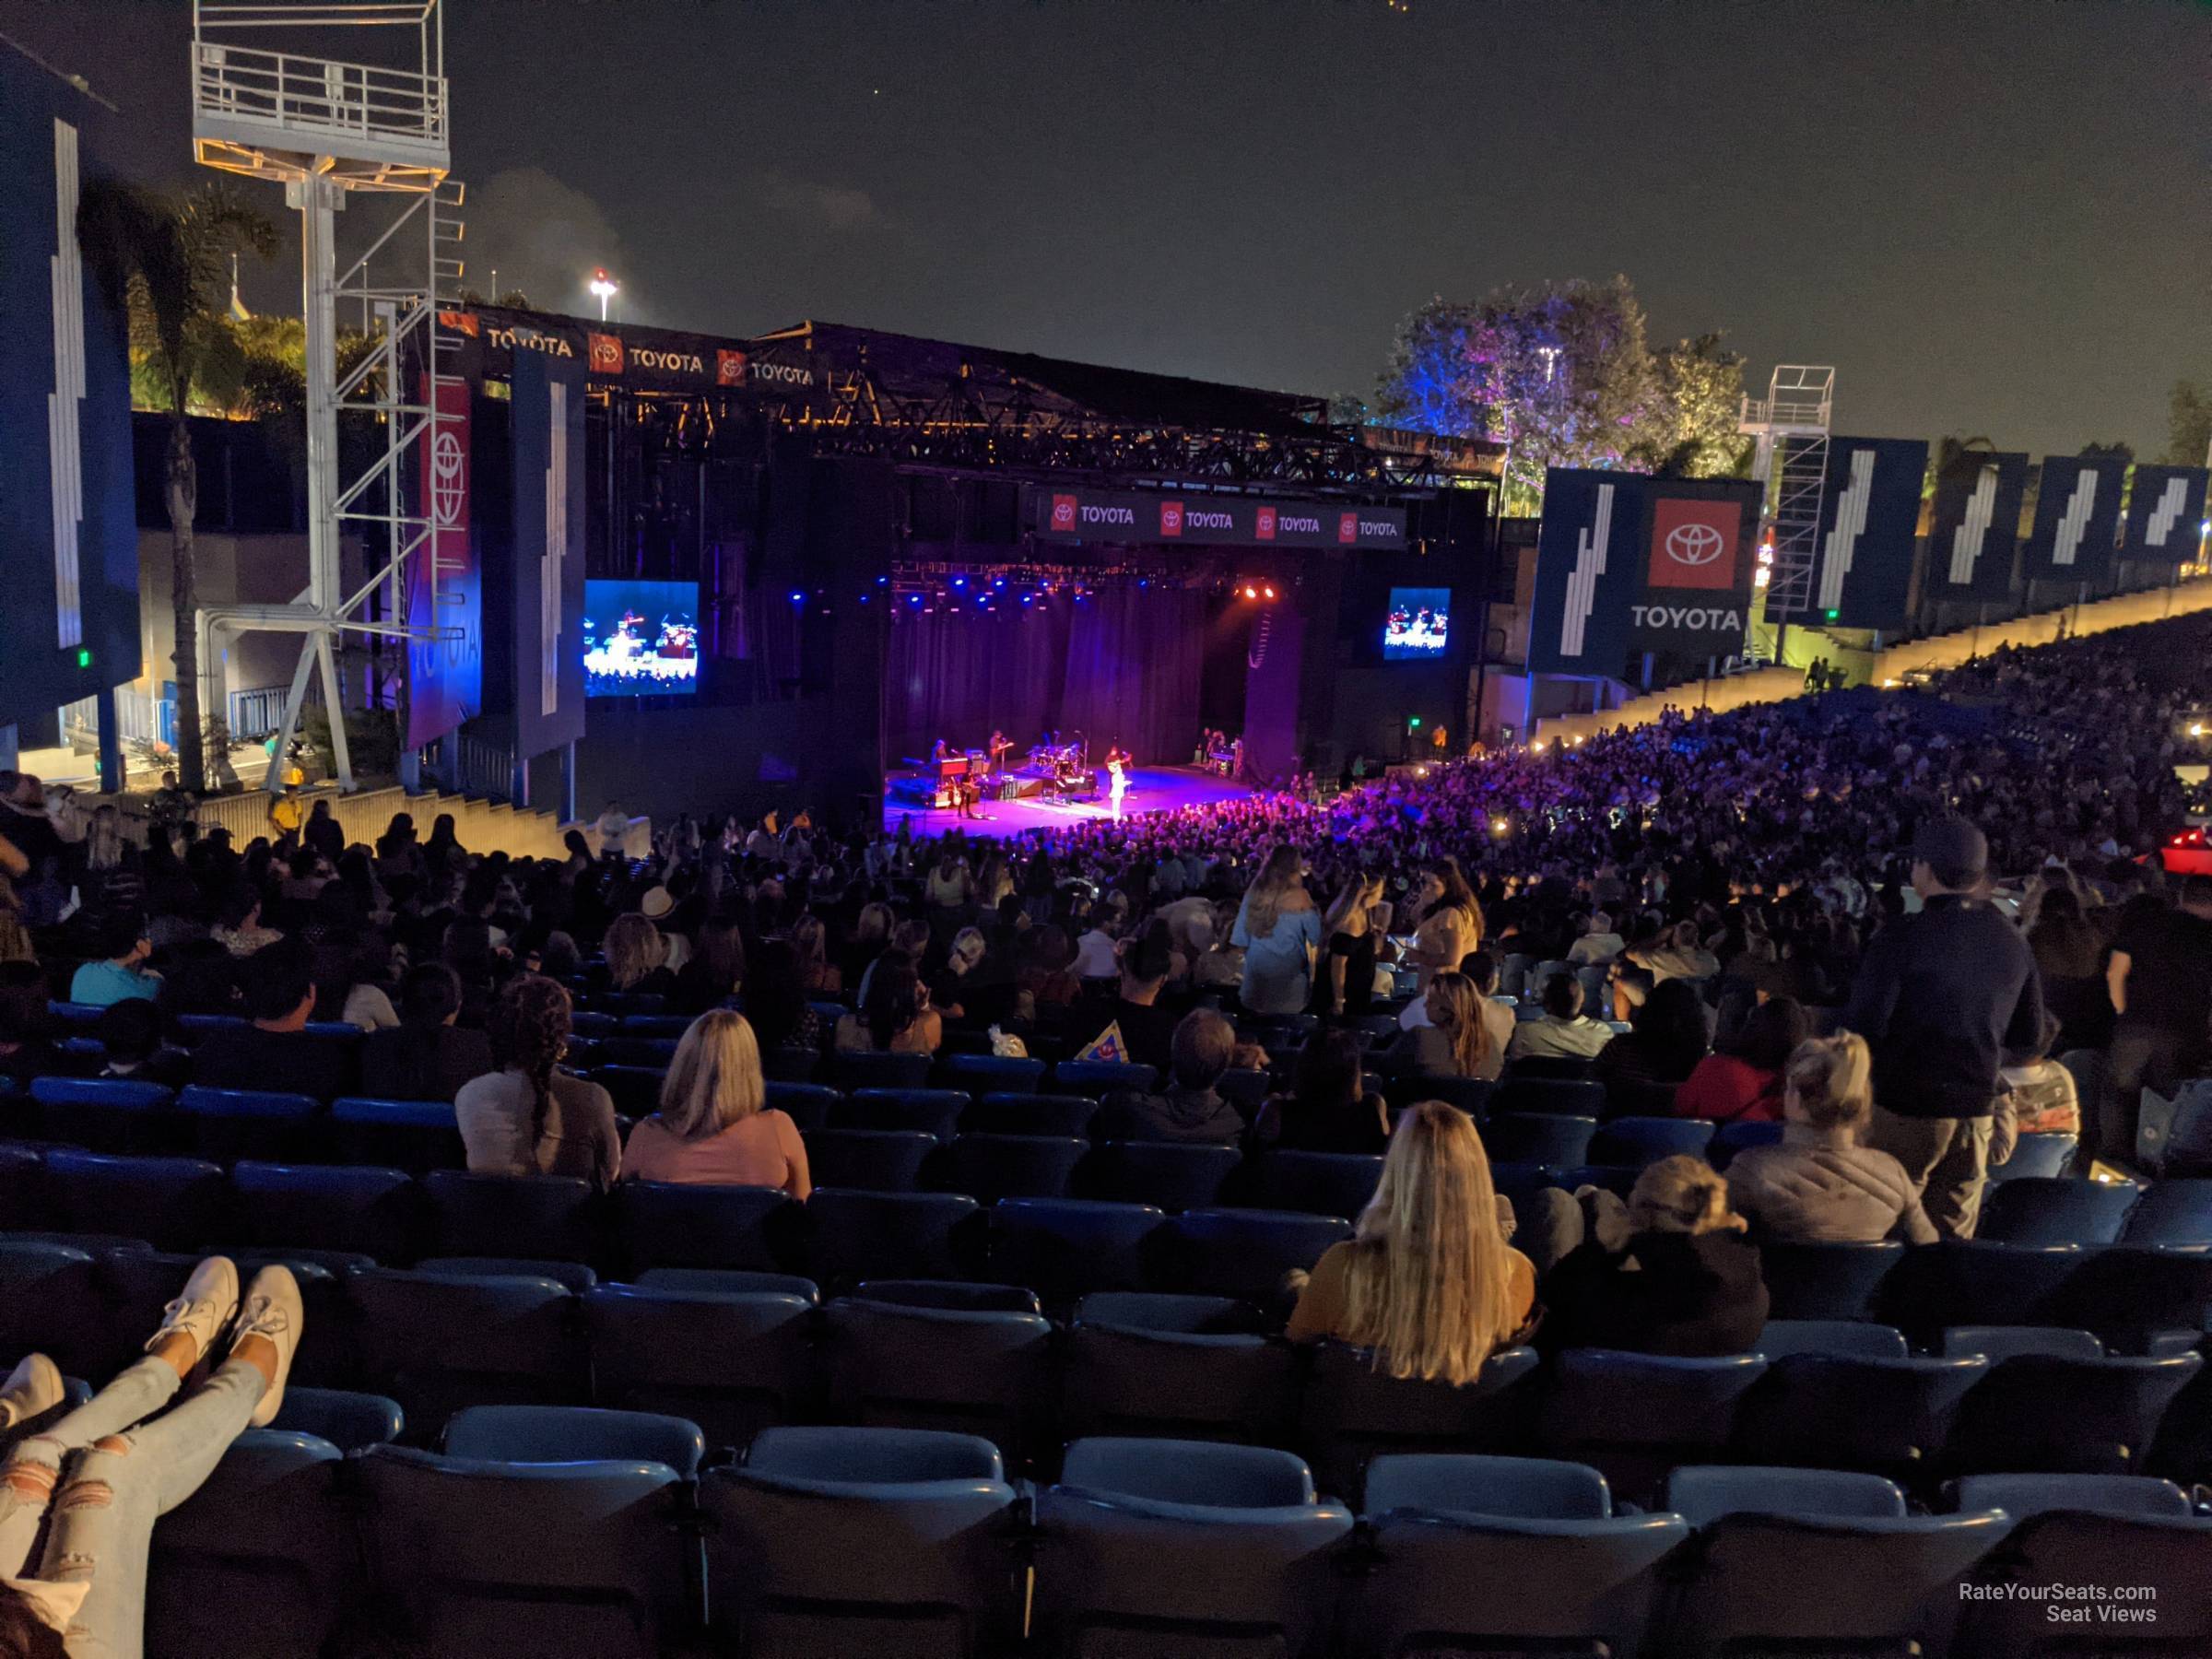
(1419, 624)
(641, 638)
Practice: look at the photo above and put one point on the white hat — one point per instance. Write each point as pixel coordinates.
(655, 904)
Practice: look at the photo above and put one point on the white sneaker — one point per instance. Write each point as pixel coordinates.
(275, 1311)
(202, 1309)
(35, 1385)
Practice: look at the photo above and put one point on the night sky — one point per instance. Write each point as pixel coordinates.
(1992, 220)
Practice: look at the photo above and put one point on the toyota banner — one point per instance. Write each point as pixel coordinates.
(1196, 519)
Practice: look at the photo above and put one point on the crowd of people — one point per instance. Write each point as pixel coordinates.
(1872, 921)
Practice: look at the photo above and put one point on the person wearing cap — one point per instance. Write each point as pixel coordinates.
(656, 906)
(1939, 997)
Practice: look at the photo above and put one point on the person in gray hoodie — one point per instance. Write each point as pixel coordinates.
(1188, 1109)
(1818, 1185)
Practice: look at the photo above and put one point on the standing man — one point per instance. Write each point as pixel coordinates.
(2160, 982)
(1939, 997)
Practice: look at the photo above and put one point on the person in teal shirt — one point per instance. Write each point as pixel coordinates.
(117, 974)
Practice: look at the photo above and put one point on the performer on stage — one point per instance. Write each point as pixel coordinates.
(1000, 744)
(942, 752)
(1117, 772)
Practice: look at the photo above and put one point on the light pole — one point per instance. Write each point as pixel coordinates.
(606, 288)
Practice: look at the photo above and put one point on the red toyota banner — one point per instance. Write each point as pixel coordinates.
(445, 612)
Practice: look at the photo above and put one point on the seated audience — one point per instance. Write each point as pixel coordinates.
(1669, 1273)
(119, 973)
(2039, 1094)
(637, 956)
(713, 972)
(715, 1126)
(1429, 1283)
(1667, 1037)
(130, 1040)
(1818, 1184)
(1741, 1080)
(1328, 1108)
(1187, 1109)
(1562, 1031)
(1498, 1018)
(1148, 1028)
(276, 1051)
(427, 1056)
(895, 1017)
(529, 1117)
(945, 990)
(1455, 1042)
(776, 1003)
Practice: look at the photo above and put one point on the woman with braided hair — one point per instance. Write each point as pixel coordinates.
(529, 1117)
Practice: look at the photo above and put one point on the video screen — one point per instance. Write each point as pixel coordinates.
(641, 638)
(1418, 624)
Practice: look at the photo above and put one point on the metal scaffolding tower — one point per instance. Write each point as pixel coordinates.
(1792, 425)
(269, 103)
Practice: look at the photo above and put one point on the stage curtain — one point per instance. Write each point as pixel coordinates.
(1126, 662)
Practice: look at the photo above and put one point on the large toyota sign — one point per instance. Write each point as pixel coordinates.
(1128, 516)
(1694, 543)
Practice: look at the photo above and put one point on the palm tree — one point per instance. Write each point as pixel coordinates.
(167, 258)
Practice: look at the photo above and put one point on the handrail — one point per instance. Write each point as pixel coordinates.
(345, 14)
(320, 94)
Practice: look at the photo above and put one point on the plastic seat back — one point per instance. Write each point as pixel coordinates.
(231, 1124)
(575, 1434)
(1826, 1281)
(414, 1135)
(1168, 1175)
(2025, 1495)
(2033, 1210)
(2000, 1343)
(554, 1216)
(376, 1212)
(672, 1224)
(1187, 1367)
(1969, 1281)
(1099, 1078)
(735, 1364)
(2075, 1415)
(1633, 1142)
(46, 1292)
(1538, 1137)
(969, 1372)
(257, 1563)
(108, 1115)
(851, 1070)
(437, 1345)
(1353, 1411)
(863, 1540)
(1835, 1411)
(2040, 1156)
(1731, 1138)
(575, 1278)
(1040, 1114)
(1702, 1493)
(994, 1074)
(1849, 1339)
(1314, 1183)
(347, 1418)
(1063, 1248)
(932, 1111)
(1569, 1096)
(1636, 1416)
(605, 1570)
(2051, 1555)
(851, 1236)
(1245, 1253)
(173, 1203)
(869, 1160)
(2171, 1212)
(2134, 1296)
(990, 1167)
(807, 1105)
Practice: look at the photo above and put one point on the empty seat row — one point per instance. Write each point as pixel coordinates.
(830, 1541)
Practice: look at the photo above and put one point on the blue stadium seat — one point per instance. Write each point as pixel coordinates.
(592, 1026)
(2067, 1415)
(635, 1089)
(671, 1027)
(551, 1216)
(134, 1285)
(575, 1434)
(1353, 1412)
(1314, 1183)
(231, 1124)
(640, 1054)
(1859, 1574)
(958, 1296)
(1474, 1096)
(2033, 1210)
(1889, 1417)
(347, 1419)
(604, 1572)
(259, 1561)
(46, 1292)
(575, 1278)
(1731, 1138)
(1245, 1253)
(1246, 1091)
(869, 1160)
(2037, 1156)
(1826, 1281)
(993, 1074)
(2025, 1495)
(108, 1115)
(851, 1540)
(852, 1236)
(673, 1224)
(2170, 1212)
(730, 1281)
(990, 1167)
(436, 1343)
(1633, 1142)
(625, 1004)
(173, 1203)
(1042, 1114)
(77, 1017)
(2057, 1552)
(849, 1070)
(2135, 1296)
(1063, 1248)
(932, 1111)
(733, 1363)
(1166, 1174)
(966, 1371)
(1568, 1096)
(1852, 1337)
(1969, 1281)
(1636, 1416)
(1099, 1079)
(1539, 1137)
(1184, 1544)
(2000, 1343)
(376, 1212)
(807, 1105)
(191, 1028)
(414, 1135)
(1579, 1575)
(1190, 1367)
(22, 1203)
(1551, 1066)
(791, 1065)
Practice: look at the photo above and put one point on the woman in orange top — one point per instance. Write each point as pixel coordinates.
(715, 1126)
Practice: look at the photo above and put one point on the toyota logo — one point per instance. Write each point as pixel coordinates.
(1693, 544)
(449, 482)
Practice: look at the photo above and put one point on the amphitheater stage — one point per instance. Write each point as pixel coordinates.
(1151, 789)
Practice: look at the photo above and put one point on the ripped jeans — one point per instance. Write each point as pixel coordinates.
(96, 1481)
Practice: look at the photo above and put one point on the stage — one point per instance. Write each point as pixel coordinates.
(1151, 789)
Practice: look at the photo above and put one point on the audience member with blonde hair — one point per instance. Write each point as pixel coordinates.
(1820, 1186)
(1456, 1040)
(636, 955)
(1430, 1282)
(715, 1126)
(1670, 1272)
